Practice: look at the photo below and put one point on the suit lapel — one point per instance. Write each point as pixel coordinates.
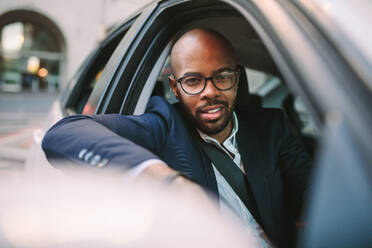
(198, 161)
(253, 162)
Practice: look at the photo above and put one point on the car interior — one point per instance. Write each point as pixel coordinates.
(261, 84)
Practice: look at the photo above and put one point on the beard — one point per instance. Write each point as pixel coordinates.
(210, 127)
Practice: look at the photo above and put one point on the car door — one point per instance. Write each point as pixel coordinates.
(339, 211)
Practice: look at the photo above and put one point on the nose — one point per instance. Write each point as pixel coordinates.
(210, 90)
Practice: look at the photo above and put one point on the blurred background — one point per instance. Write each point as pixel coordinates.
(42, 43)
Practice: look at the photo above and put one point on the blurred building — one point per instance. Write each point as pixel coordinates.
(43, 42)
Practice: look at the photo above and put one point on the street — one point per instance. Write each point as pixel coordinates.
(20, 115)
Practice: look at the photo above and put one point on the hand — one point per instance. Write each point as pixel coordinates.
(181, 185)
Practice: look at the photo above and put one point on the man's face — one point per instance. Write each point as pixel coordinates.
(211, 109)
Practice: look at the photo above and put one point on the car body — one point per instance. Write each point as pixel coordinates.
(318, 51)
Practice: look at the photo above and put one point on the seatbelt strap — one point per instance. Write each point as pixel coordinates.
(233, 175)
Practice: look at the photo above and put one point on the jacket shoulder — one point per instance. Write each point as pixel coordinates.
(159, 106)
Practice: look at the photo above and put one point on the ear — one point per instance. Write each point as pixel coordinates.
(173, 85)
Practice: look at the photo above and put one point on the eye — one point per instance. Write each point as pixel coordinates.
(223, 76)
(220, 76)
(190, 81)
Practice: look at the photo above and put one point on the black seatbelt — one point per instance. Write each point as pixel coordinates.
(233, 175)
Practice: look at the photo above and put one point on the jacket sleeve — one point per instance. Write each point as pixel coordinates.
(114, 141)
(296, 167)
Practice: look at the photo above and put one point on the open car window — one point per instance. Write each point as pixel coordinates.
(92, 71)
(91, 77)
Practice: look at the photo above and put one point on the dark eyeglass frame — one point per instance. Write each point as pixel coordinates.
(236, 72)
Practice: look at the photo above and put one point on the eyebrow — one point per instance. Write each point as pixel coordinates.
(213, 73)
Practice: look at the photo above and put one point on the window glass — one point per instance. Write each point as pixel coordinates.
(269, 88)
(305, 117)
(91, 77)
(87, 90)
(162, 86)
(275, 94)
(256, 79)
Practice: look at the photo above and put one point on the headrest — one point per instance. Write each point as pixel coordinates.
(244, 100)
(243, 90)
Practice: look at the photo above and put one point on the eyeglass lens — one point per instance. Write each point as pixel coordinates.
(222, 81)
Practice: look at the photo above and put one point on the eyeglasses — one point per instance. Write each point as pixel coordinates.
(195, 84)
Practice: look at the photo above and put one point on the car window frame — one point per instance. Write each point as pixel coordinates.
(347, 41)
(94, 61)
(103, 95)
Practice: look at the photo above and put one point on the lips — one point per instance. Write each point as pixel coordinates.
(211, 113)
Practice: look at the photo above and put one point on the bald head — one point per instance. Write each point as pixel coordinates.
(198, 44)
(198, 58)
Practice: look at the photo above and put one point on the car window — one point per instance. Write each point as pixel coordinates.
(162, 86)
(92, 70)
(308, 127)
(87, 90)
(91, 78)
(272, 92)
(275, 94)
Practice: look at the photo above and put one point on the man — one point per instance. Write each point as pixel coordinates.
(165, 139)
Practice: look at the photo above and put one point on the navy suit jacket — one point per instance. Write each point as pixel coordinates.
(276, 166)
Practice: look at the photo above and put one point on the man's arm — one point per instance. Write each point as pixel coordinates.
(113, 141)
(80, 139)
